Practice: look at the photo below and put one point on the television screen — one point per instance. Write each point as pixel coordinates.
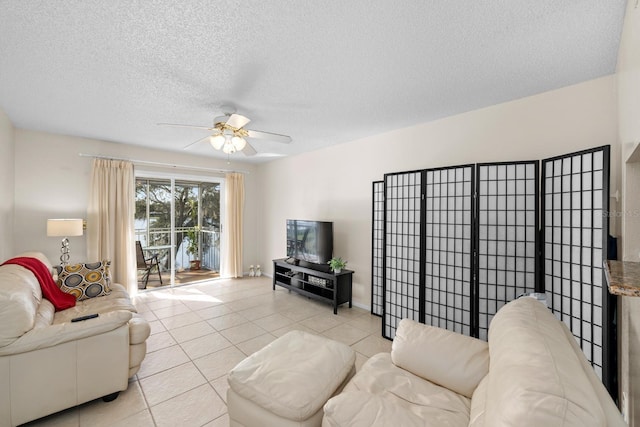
(310, 241)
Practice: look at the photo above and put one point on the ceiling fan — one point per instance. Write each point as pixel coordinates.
(228, 134)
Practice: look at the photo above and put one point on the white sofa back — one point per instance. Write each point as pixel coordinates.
(20, 296)
(454, 361)
(536, 376)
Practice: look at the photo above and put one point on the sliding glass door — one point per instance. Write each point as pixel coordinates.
(152, 223)
(180, 221)
(210, 224)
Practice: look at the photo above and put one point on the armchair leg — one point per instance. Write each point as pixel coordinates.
(110, 397)
(159, 275)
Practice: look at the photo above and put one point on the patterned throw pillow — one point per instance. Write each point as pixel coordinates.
(84, 281)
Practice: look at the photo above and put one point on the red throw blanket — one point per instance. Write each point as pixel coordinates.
(50, 290)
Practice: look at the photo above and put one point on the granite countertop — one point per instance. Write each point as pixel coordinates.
(623, 278)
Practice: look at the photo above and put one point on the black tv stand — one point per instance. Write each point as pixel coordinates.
(329, 287)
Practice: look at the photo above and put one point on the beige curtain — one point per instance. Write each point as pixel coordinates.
(234, 202)
(110, 232)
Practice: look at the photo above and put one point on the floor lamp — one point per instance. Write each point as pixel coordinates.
(64, 228)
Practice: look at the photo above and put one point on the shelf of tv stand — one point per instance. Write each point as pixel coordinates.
(309, 282)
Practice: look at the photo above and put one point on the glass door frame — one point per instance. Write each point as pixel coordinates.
(173, 177)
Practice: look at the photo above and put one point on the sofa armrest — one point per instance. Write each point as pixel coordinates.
(49, 336)
(446, 358)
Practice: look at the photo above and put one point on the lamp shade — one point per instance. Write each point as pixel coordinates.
(64, 227)
(217, 141)
(239, 143)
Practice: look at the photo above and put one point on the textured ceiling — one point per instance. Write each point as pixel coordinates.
(323, 72)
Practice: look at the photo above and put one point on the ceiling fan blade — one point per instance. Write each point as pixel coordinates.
(195, 142)
(268, 135)
(248, 150)
(185, 126)
(237, 121)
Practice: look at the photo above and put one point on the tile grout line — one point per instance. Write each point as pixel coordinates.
(192, 362)
(241, 301)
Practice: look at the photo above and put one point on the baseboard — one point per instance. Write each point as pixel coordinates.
(362, 306)
(245, 274)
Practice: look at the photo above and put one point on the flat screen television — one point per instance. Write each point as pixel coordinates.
(310, 243)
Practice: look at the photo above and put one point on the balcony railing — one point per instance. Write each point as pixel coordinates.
(160, 240)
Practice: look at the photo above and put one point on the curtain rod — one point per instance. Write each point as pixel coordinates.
(170, 165)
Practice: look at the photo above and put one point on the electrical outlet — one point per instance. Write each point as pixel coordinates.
(625, 407)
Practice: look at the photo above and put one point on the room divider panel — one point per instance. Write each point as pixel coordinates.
(402, 256)
(448, 292)
(377, 247)
(507, 237)
(575, 206)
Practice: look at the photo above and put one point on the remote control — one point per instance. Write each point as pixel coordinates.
(81, 318)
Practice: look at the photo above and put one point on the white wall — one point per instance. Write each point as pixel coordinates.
(52, 181)
(334, 184)
(629, 126)
(6, 186)
(628, 74)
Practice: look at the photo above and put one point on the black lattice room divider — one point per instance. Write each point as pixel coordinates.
(377, 248)
(448, 292)
(507, 237)
(401, 261)
(460, 242)
(575, 225)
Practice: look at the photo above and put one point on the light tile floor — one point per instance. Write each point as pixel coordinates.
(198, 333)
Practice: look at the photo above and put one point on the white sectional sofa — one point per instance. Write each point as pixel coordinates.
(530, 373)
(48, 363)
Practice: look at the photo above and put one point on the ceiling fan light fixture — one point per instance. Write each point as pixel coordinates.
(217, 141)
(228, 148)
(229, 135)
(238, 142)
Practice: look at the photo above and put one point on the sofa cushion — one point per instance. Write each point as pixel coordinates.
(450, 359)
(358, 408)
(85, 280)
(536, 377)
(118, 291)
(98, 305)
(39, 338)
(379, 376)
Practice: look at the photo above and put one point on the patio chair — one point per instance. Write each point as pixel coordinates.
(146, 264)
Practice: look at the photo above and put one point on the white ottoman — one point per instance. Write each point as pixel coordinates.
(288, 382)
